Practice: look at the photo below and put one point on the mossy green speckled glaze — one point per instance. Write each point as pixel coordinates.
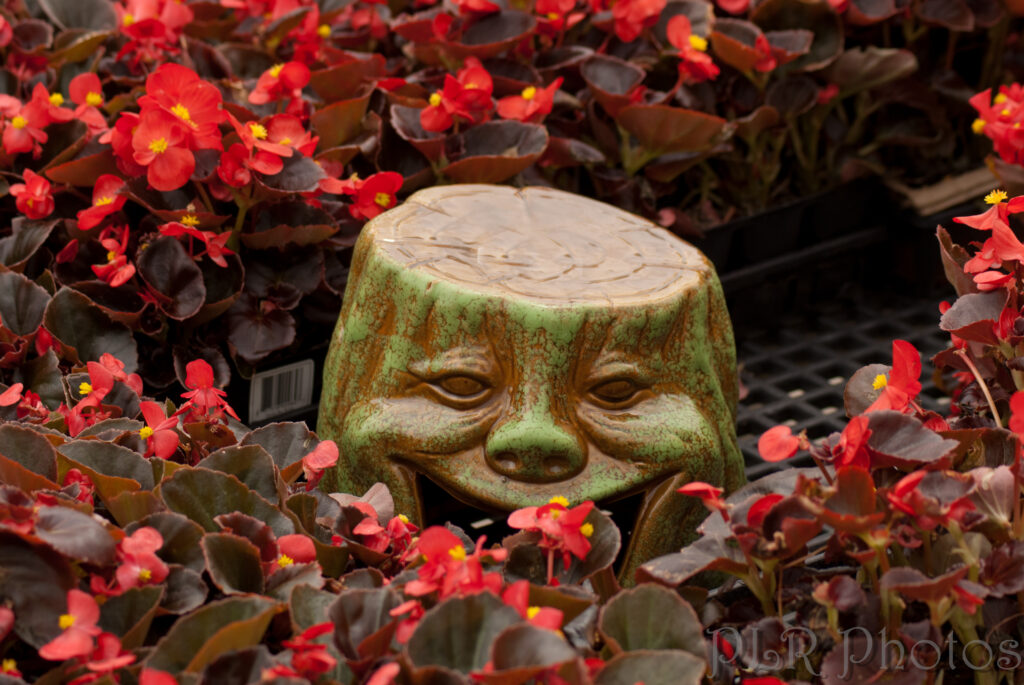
(513, 345)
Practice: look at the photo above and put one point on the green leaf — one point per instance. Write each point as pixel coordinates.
(131, 506)
(340, 121)
(652, 668)
(250, 464)
(110, 460)
(308, 606)
(495, 151)
(81, 14)
(181, 538)
(13, 473)
(670, 129)
(42, 376)
(233, 563)
(22, 303)
(80, 325)
(173, 276)
(186, 590)
(359, 615)
(75, 534)
(201, 494)
(286, 442)
(651, 617)
(238, 668)
(283, 580)
(864, 68)
(527, 650)
(130, 614)
(25, 240)
(199, 638)
(76, 46)
(35, 581)
(457, 633)
(30, 449)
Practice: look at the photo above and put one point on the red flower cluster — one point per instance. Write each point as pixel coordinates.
(465, 98)
(179, 114)
(205, 401)
(1001, 119)
(562, 530)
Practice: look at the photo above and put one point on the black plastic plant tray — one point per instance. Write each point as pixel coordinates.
(794, 373)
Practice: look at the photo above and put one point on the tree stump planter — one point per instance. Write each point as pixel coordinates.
(517, 345)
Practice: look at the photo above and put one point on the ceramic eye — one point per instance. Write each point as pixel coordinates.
(461, 391)
(616, 392)
(461, 386)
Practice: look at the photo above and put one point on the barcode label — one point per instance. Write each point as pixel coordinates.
(281, 390)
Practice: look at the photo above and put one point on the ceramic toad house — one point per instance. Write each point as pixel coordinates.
(512, 345)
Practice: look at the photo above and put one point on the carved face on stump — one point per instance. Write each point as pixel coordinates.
(516, 345)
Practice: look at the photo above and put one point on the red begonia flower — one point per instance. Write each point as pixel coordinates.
(633, 16)
(79, 626)
(160, 144)
(902, 386)
(33, 198)
(106, 199)
(710, 495)
(695, 65)
(778, 444)
(280, 81)
(159, 434)
(376, 194)
(517, 596)
(532, 105)
(191, 101)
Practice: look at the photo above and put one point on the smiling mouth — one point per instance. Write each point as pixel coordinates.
(441, 506)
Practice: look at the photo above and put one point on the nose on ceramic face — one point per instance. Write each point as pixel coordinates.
(536, 450)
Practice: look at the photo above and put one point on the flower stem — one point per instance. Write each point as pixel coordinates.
(984, 386)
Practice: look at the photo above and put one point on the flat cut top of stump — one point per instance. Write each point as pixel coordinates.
(537, 244)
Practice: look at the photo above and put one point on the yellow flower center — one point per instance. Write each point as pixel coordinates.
(128, 19)
(84, 388)
(190, 220)
(555, 513)
(259, 131)
(587, 529)
(284, 560)
(145, 574)
(978, 125)
(529, 93)
(158, 146)
(1005, 112)
(1000, 99)
(181, 111)
(698, 43)
(105, 200)
(435, 99)
(19, 122)
(880, 382)
(8, 666)
(66, 621)
(382, 200)
(403, 518)
(56, 99)
(275, 70)
(111, 255)
(552, 16)
(145, 432)
(458, 553)
(531, 612)
(559, 499)
(286, 141)
(323, 30)
(995, 197)
(94, 99)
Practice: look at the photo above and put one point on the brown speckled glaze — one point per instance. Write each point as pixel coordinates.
(513, 345)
